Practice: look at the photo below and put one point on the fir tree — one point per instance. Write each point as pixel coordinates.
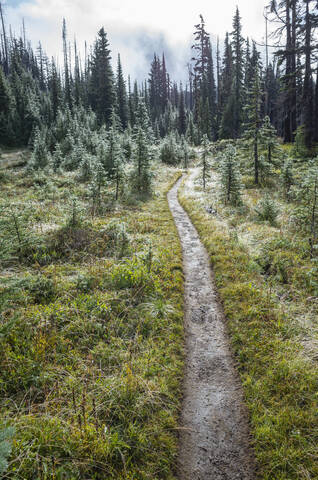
(55, 90)
(185, 152)
(141, 176)
(119, 172)
(287, 178)
(67, 79)
(307, 212)
(252, 131)
(182, 119)
(57, 158)
(169, 151)
(233, 112)
(101, 89)
(230, 177)
(39, 158)
(6, 111)
(226, 77)
(205, 160)
(122, 101)
(113, 148)
(86, 167)
(95, 187)
(267, 210)
(268, 138)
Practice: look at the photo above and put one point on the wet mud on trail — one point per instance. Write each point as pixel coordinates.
(214, 433)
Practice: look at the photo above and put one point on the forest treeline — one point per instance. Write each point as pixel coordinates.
(64, 106)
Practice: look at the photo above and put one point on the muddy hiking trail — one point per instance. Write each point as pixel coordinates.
(214, 433)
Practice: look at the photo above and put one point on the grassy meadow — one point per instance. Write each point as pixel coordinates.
(91, 332)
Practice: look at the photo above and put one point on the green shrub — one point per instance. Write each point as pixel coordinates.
(118, 237)
(5, 447)
(41, 288)
(267, 210)
(170, 152)
(132, 274)
(85, 283)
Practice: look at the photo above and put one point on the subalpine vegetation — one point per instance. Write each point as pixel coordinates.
(91, 275)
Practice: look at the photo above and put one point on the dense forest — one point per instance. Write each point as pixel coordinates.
(92, 284)
(42, 102)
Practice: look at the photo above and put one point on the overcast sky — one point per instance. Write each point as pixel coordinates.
(135, 27)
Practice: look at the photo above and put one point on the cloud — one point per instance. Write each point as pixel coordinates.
(135, 29)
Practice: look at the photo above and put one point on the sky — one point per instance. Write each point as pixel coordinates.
(135, 28)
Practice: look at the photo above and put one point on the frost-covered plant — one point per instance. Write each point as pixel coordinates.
(126, 144)
(5, 447)
(306, 213)
(95, 186)
(86, 167)
(170, 151)
(268, 139)
(141, 174)
(205, 164)
(267, 210)
(74, 214)
(40, 155)
(57, 158)
(264, 168)
(15, 236)
(184, 147)
(287, 178)
(230, 177)
(299, 147)
(118, 236)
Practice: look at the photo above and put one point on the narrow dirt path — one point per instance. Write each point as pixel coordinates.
(214, 438)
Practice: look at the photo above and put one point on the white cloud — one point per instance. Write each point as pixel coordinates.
(167, 22)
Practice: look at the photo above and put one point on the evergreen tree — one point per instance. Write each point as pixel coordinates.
(226, 82)
(267, 210)
(141, 176)
(286, 13)
(95, 187)
(252, 131)
(182, 118)
(57, 158)
(142, 120)
(39, 158)
(308, 86)
(113, 152)
(268, 138)
(230, 177)
(204, 82)
(205, 160)
(316, 107)
(6, 111)
(307, 211)
(211, 94)
(101, 89)
(122, 101)
(67, 79)
(55, 89)
(86, 167)
(235, 103)
(185, 152)
(287, 178)
(170, 152)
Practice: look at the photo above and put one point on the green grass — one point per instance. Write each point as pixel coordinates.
(278, 374)
(91, 334)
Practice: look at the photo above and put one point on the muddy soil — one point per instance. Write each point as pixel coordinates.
(214, 434)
